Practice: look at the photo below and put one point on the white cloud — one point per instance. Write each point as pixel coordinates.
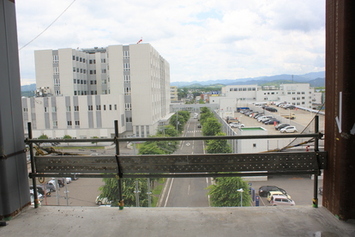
(202, 40)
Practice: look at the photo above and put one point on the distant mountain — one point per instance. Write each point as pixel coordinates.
(31, 87)
(316, 79)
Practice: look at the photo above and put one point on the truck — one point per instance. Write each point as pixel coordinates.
(289, 116)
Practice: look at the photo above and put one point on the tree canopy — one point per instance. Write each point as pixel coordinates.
(224, 193)
(218, 146)
(211, 127)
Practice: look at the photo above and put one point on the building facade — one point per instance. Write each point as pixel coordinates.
(232, 96)
(81, 92)
(174, 94)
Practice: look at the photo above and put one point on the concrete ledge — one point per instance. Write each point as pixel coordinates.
(234, 221)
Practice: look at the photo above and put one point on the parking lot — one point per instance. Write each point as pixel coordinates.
(300, 188)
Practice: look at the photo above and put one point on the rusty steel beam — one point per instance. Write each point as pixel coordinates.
(339, 177)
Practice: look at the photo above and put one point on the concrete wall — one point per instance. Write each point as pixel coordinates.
(14, 188)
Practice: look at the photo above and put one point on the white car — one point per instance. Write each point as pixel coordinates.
(236, 125)
(281, 200)
(102, 201)
(277, 193)
(289, 129)
(264, 118)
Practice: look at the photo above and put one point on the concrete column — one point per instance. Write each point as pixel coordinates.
(339, 177)
(14, 186)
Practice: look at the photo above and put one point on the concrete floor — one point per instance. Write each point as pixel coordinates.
(237, 221)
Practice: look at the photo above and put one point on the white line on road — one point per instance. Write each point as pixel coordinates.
(167, 196)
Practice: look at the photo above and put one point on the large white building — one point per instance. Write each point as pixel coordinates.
(232, 96)
(81, 92)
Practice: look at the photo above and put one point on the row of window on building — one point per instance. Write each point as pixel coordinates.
(80, 59)
(80, 70)
(104, 107)
(243, 89)
(76, 108)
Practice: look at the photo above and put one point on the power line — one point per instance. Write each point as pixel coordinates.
(48, 25)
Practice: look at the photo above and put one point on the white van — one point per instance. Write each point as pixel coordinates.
(281, 200)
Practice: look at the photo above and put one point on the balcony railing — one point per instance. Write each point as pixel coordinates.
(197, 165)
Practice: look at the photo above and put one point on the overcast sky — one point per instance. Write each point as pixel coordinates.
(201, 39)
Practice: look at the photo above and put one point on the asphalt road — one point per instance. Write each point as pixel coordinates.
(187, 192)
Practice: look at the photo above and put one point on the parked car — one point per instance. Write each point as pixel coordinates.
(51, 186)
(272, 193)
(102, 201)
(39, 196)
(68, 180)
(288, 129)
(271, 109)
(41, 190)
(264, 118)
(281, 125)
(198, 125)
(289, 107)
(264, 190)
(271, 121)
(281, 200)
(236, 125)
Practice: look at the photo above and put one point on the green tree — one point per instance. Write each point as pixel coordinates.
(150, 148)
(67, 137)
(185, 115)
(178, 120)
(168, 131)
(94, 137)
(211, 127)
(129, 192)
(43, 136)
(218, 146)
(110, 190)
(205, 114)
(224, 192)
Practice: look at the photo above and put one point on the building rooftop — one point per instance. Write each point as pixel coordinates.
(230, 221)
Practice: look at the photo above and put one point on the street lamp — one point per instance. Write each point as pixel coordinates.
(241, 196)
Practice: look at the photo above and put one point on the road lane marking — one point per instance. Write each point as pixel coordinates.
(167, 196)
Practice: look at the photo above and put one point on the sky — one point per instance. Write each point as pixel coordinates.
(201, 39)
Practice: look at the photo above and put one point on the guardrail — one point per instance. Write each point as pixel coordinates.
(200, 165)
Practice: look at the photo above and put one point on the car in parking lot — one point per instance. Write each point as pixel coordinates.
(264, 118)
(288, 129)
(102, 201)
(236, 125)
(264, 190)
(271, 109)
(281, 200)
(258, 115)
(272, 193)
(44, 191)
(281, 125)
(271, 121)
